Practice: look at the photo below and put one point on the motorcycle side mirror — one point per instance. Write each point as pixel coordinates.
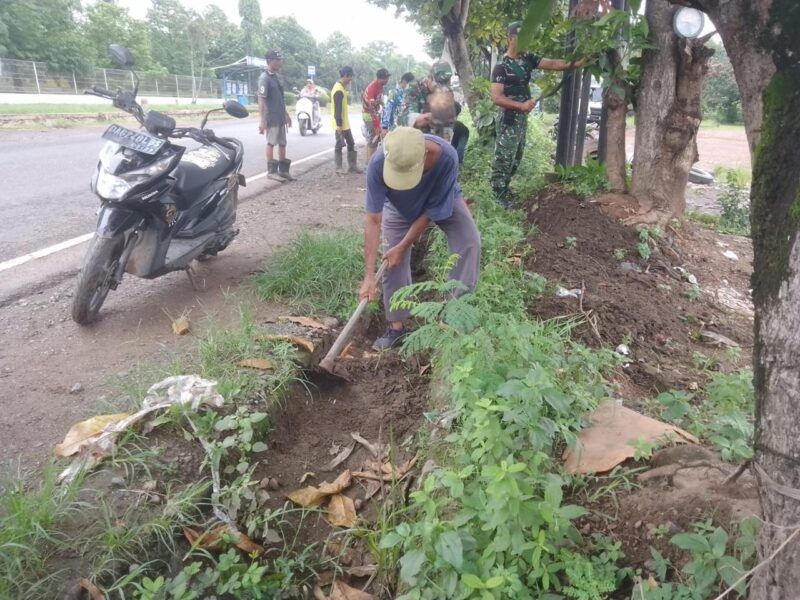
(295, 90)
(234, 109)
(121, 55)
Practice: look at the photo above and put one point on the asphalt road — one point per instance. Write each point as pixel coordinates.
(45, 176)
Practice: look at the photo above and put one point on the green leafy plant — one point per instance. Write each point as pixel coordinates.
(584, 180)
(620, 253)
(570, 242)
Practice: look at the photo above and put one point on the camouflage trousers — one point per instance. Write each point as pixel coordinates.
(508, 150)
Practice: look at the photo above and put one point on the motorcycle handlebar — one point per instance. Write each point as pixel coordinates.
(103, 92)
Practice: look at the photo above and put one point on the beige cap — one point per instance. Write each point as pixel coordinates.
(404, 158)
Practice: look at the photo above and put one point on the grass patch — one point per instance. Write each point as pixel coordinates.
(317, 274)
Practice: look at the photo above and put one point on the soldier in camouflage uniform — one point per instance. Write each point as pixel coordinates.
(511, 93)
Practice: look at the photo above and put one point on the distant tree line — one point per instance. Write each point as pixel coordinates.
(175, 39)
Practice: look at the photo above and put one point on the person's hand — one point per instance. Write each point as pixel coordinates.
(262, 126)
(288, 121)
(393, 257)
(369, 288)
(529, 105)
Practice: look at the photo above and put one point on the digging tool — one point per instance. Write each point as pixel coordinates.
(327, 363)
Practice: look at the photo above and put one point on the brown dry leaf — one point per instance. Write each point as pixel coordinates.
(515, 260)
(607, 442)
(342, 591)
(362, 571)
(319, 594)
(209, 540)
(180, 326)
(298, 341)
(347, 352)
(262, 364)
(306, 475)
(342, 511)
(340, 458)
(307, 497)
(305, 322)
(341, 483)
(93, 591)
(212, 540)
(373, 448)
(408, 465)
(84, 433)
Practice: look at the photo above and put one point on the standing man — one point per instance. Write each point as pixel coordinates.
(371, 110)
(274, 117)
(341, 124)
(511, 93)
(411, 182)
(393, 114)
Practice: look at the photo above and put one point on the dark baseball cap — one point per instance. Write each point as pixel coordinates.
(513, 28)
(273, 55)
(345, 71)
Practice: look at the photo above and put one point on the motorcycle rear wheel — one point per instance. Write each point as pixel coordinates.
(95, 277)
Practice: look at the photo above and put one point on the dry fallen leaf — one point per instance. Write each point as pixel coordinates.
(180, 326)
(212, 540)
(298, 341)
(342, 591)
(373, 448)
(307, 497)
(347, 352)
(306, 475)
(262, 364)
(340, 458)
(342, 511)
(92, 589)
(305, 322)
(341, 483)
(608, 441)
(84, 433)
(362, 571)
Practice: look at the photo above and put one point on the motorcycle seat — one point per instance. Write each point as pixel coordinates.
(198, 168)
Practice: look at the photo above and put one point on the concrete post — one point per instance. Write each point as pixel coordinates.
(36, 77)
(75, 81)
(105, 79)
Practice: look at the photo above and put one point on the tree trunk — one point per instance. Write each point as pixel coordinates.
(453, 28)
(668, 118)
(740, 23)
(616, 108)
(776, 286)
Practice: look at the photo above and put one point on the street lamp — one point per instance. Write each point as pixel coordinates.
(688, 23)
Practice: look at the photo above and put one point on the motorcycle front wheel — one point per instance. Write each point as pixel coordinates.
(95, 277)
(303, 127)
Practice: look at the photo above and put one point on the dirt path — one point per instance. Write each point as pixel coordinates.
(53, 372)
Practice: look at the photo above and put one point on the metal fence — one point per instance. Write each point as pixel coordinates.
(29, 77)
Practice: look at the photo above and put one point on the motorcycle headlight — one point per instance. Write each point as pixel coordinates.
(116, 187)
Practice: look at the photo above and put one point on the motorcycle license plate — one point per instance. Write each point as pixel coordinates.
(135, 140)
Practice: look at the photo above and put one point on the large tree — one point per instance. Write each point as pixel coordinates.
(108, 23)
(169, 22)
(298, 46)
(252, 28)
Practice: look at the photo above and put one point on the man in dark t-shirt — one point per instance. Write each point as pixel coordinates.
(511, 79)
(274, 118)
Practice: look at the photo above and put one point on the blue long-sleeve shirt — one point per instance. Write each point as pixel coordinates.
(392, 108)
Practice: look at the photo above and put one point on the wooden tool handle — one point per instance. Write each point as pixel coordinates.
(347, 332)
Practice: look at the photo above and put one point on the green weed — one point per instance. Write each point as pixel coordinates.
(315, 273)
(584, 180)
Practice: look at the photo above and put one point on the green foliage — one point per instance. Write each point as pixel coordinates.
(297, 45)
(723, 416)
(584, 180)
(492, 519)
(648, 237)
(734, 200)
(317, 273)
(108, 23)
(721, 97)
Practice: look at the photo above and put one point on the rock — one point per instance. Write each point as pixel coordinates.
(629, 267)
(330, 322)
(150, 486)
(76, 388)
(117, 482)
(623, 350)
(682, 454)
(717, 339)
(264, 483)
(273, 484)
(358, 503)
(730, 254)
(155, 498)
(637, 524)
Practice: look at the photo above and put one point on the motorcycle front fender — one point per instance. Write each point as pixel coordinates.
(114, 220)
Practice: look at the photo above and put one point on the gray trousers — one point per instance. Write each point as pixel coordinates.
(462, 239)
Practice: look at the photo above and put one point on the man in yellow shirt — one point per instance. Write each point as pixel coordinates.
(341, 124)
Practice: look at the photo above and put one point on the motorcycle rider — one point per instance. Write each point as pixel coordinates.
(274, 118)
(311, 92)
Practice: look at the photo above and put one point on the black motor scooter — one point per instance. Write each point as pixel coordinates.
(162, 205)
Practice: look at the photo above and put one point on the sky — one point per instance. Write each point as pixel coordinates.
(360, 21)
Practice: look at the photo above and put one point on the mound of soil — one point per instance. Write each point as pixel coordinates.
(648, 305)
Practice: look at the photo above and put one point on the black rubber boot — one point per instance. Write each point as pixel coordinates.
(272, 171)
(352, 162)
(338, 160)
(283, 169)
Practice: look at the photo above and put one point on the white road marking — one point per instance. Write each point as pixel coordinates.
(21, 260)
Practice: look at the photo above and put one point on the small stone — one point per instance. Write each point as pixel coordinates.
(117, 482)
(273, 484)
(122, 374)
(150, 486)
(693, 386)
(717, 339)
(155, 498)
(264, 483)
(133, 568)
(358, 503)
(77, 388)
(637, 524)
(629, 267)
